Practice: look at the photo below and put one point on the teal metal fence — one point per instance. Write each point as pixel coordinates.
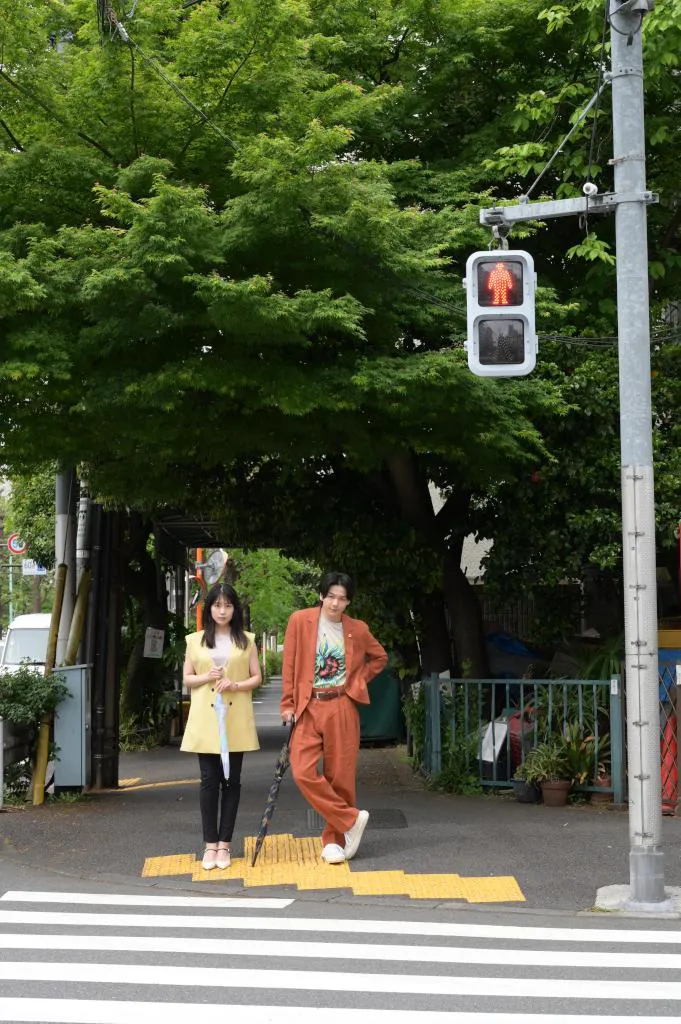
(492, 724)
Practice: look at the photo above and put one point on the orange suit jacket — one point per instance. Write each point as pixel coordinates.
(364, 659)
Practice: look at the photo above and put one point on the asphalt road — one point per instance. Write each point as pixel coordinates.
(558, 857)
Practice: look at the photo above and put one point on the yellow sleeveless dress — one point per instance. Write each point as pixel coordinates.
(201, 734)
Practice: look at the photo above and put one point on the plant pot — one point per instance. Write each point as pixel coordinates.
(526, 792)
(602, 798)
(555, 792)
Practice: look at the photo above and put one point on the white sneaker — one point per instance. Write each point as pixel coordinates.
(333, 854)
(354, 837)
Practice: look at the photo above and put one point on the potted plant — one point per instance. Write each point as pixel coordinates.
(525, 785)
(549, 766)
(580, 753)
(603, 780)
(588, 760)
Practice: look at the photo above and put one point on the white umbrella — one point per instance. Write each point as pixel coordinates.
(221, 712)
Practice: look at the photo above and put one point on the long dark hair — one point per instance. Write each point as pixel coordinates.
(236, 625)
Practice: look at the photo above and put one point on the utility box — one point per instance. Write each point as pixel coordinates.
(382, 720)
(72, 732)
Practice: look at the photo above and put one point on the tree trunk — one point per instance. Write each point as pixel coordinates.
(434, 641)
(463, 607)
(143, 675)
(466, 618)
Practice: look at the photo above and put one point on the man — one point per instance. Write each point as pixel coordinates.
(328, 660)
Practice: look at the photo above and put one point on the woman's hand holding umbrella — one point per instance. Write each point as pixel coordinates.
(227, 684)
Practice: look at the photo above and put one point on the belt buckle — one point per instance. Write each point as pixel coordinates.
(329, 694)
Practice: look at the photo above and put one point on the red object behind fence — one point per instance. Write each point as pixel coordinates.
(669, 770)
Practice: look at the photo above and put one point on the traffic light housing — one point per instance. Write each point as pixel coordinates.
(502, 341)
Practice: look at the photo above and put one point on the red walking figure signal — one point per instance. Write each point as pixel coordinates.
(500, 297)
(499, 283)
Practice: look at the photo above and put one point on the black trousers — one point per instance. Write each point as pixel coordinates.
(216, 791)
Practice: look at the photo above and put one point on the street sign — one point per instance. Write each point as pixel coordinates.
(29, 567)
(153, 643)
(15, 545)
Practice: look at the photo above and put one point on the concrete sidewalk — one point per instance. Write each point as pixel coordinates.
(419, 845)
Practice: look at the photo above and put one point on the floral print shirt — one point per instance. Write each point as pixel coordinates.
(329, 670)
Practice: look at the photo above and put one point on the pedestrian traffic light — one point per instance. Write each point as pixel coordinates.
(500, 300)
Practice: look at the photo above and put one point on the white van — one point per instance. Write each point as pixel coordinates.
(26, 640)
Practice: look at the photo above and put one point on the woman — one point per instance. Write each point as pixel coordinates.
(221, 668)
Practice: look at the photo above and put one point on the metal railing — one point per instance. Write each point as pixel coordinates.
(492, 724)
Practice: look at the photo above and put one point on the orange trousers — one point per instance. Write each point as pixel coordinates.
(330, 730)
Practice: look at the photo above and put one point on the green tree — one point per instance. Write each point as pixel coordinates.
(570, 530)
(257, 312)
(30, 512)
(271, 287)
(272, 587)
(27, 509)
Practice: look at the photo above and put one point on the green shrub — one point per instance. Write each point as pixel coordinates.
(137, 732)
(273, 664)
(25, 695)
(459, 765)
(414, 709)
(16, 782)
(459, 745)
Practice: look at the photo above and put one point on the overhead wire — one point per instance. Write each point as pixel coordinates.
(594, 99)
(118, 28)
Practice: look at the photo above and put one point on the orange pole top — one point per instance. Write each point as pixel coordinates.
(199, 605)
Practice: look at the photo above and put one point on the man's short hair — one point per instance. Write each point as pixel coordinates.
(337, 579)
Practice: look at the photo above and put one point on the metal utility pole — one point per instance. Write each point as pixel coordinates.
(629, 201)
(646, 860)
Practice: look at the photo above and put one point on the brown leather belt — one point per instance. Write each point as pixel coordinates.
(322, 694)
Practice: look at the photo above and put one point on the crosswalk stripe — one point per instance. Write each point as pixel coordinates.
(345, 981)
(141, 900)
(345, 951)
(86, 1011)
(441, 971)
(339, 926)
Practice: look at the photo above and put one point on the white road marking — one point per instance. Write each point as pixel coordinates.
(514, 934)
(90, 1011)
(329, 981)
(113, 900)
(344, 951)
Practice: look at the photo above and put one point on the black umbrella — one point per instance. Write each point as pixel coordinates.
(283, 762)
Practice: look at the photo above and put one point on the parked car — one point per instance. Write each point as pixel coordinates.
(26, 641)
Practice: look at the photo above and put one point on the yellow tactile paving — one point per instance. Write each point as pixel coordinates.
(180, 864)
(285, 860)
